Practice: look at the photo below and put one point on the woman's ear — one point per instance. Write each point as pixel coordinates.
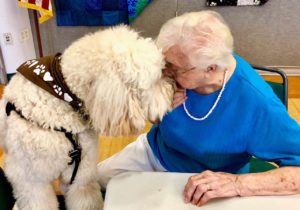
(106, 104)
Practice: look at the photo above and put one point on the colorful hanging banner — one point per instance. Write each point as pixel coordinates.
(44, 8)
(91, 12)
(98, 12)
(135, 8)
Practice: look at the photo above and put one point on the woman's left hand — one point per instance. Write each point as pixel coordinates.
(209, 185)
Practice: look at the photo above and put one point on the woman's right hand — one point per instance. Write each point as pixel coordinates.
(179, 97)
(180, 93)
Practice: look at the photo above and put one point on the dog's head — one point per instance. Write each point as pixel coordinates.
(118, 75)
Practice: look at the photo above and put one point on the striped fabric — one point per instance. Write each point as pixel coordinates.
(44, 8)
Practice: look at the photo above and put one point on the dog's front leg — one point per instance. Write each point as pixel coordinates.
(30, 194)
(85, 192)
(84, 196)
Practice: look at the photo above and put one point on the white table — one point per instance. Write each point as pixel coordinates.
(163, 191)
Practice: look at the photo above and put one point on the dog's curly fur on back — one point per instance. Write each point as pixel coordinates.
(117, 74)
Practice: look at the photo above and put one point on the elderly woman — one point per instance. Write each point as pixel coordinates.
(224, 113)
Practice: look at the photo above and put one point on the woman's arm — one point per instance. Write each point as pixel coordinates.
(209, 185)
(281, 181)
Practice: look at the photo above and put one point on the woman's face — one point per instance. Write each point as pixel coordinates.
(179, 68)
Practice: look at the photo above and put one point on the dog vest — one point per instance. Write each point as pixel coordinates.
(46, 74)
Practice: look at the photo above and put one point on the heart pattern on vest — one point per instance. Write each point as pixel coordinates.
(67, 97)
(47, 77)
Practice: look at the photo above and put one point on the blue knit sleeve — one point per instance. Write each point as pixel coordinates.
(276, 136)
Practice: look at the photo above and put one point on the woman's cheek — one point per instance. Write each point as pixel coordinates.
(184, 83)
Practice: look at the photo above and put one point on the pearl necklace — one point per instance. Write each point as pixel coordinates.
(213, 106)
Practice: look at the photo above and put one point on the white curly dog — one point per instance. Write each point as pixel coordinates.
(117, 76)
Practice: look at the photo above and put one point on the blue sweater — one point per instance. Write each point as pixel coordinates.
(248, 121)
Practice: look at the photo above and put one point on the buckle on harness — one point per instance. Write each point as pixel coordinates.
(75, 154)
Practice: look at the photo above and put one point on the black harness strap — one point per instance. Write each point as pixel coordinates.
(74, 154)
(11, 107)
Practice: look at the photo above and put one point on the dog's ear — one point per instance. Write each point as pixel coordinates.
(112, 108)
(163, 90)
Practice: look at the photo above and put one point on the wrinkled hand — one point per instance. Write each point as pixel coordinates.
(179, 97)
(209, 185)
(180, 93)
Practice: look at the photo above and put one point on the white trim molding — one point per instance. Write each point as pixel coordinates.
(3, 76)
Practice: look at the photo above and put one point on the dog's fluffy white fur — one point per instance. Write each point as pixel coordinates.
(118, 75)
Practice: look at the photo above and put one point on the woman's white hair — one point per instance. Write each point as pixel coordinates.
(203, 36)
